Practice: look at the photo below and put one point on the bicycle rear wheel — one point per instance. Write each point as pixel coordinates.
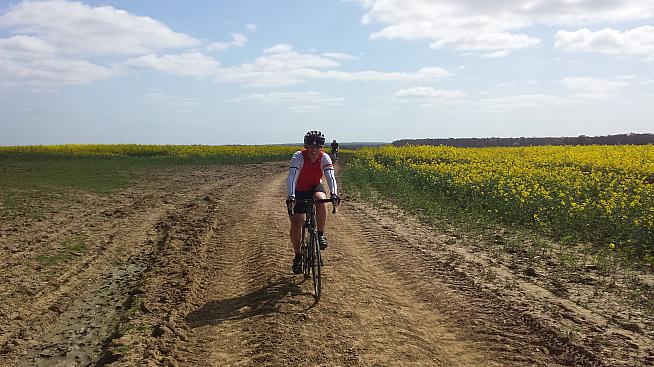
(315, 261)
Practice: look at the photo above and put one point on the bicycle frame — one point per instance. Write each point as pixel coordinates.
(311, 257)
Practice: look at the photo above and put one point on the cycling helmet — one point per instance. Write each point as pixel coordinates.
(314, 138)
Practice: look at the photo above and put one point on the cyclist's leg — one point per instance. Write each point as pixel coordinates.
(297, 220)
(321, 211)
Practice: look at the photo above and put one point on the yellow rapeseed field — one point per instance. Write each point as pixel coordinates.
(136, 150)
(600, 193)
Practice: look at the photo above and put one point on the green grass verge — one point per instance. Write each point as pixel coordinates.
(101, 174)
(74, 246)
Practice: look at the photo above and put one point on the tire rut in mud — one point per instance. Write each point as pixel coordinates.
(512, 333)
(240, 305)
(210, 254)
(203, 278)
(76, 316)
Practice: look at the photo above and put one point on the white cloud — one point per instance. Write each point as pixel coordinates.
(428, 97)
(186, 64)
(514, 84)
(424, 74)
(79, 29)
(521, 101)
(635, 42)
(339, 56)
(473, 25)
(429, 92)
(25, 47)
(164, 100)
(279, 66)
(497, 54)
(55, 43)
(56, 34)
(29, 61)
(593, 88)
(251, 27)
(48, 74)
(296, 101)
(238, 40)
(278, 49)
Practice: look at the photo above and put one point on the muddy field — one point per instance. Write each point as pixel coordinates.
(191, 267)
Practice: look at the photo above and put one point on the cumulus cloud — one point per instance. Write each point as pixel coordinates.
(57, 42)
(635, 42)
(29, 61)
(339, 56)
(46, 37)
(25, 47)
(282, 66)
(424, 74)
(186, 64)
(496, 54)
(279, 65)
(47, 74)
(490, 26)
(238, 40)
(76, 28)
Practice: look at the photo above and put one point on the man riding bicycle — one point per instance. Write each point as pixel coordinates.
(304, 182)
(334, 151)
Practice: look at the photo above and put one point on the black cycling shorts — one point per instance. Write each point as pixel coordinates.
(303, 195)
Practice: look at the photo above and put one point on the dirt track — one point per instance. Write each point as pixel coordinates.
(192, 268)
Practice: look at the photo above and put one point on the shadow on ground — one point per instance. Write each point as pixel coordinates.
(265, 300)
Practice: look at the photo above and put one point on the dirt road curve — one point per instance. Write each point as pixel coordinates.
(192, 268)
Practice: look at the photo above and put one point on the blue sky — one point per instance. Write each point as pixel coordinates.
(265, 72)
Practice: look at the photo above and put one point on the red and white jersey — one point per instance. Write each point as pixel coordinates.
(303, 175)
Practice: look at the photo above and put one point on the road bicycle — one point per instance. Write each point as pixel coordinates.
(310, 250)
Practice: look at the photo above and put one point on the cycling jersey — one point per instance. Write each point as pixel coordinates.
(303, 175)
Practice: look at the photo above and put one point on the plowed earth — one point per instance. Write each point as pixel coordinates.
(192, 268)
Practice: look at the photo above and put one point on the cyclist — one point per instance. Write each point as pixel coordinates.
(305, 181)
(334, 149)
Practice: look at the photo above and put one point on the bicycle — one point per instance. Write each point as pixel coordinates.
(310, 249)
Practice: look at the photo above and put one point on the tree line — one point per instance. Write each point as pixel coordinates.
(619, 139)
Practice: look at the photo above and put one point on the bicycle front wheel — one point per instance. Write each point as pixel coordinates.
(306, 268)
(315, 262)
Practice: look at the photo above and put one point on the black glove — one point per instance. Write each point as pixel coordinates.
(335, 199)
(290, 203)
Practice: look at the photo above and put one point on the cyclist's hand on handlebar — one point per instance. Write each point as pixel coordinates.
(335, 199)
(290, 203)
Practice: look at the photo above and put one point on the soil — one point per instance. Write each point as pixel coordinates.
(191, 267)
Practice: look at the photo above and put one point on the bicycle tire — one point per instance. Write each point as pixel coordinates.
(314, 251)
(305, 255)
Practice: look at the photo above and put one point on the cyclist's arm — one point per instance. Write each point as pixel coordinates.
(328, 170)
(294, 172)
